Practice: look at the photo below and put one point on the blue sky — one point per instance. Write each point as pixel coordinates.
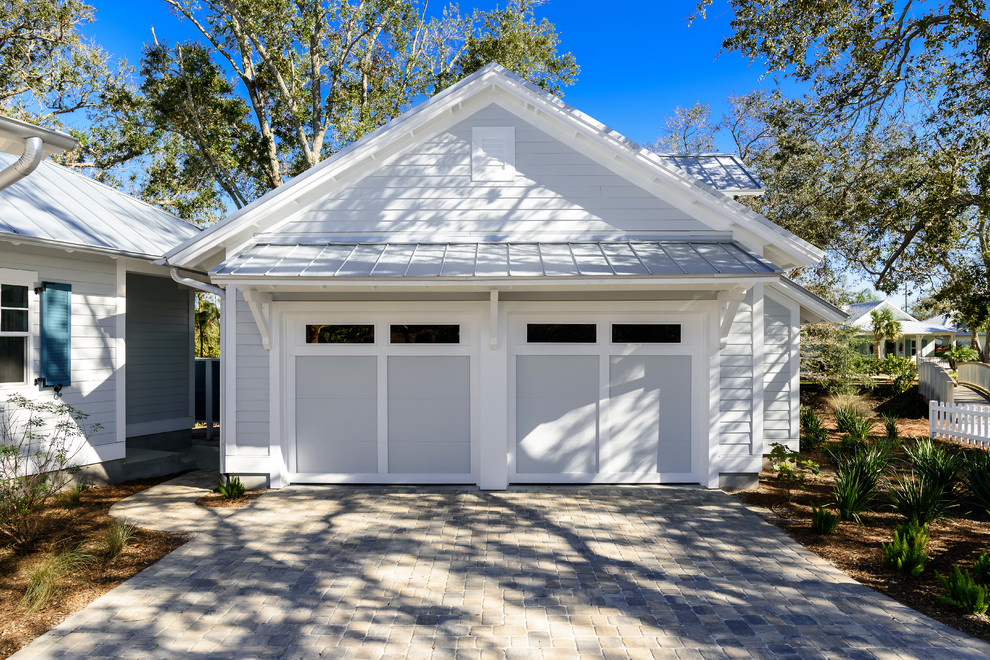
(637, 63)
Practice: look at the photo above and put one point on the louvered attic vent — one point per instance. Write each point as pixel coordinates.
(493, 153)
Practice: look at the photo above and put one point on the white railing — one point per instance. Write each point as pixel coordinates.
(963, 423)
(976, 374)
(935, 383)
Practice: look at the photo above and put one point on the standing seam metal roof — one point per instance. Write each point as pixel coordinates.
(464, 260)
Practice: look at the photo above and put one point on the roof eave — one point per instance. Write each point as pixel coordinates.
(17, 239)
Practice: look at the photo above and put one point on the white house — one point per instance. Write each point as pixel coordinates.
(495, 288)
(86, 313)
(916, 337)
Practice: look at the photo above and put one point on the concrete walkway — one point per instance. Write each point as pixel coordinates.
(434, 572)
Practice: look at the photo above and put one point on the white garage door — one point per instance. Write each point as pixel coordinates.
(381, 401)
(605, 400)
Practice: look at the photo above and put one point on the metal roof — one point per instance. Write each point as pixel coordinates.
(56, 205)
(724, 172)
(325, 259)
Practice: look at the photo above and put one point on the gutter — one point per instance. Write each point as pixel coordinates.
(195, 284)
(34, 148)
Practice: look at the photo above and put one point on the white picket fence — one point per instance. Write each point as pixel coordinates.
(934, 382)
(964, 423)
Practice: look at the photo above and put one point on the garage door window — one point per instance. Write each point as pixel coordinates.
(646, 333)
(425, 334)
(340, 334)
(561, 333)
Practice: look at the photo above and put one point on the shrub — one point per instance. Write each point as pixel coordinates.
(889, 425)
(814, 435)
(860, 429)
(857, 476)
(829, 356)
(44, 580)
(906, 553)
(919, 500)
(962, 592)
(901, 371)
(846, 419)
(823, 521)
(977, 468)
(790, 468)
(231, 490)
(73, 497)
(939, 467)
(115, 539)
(957, 354)
(981, 568)
(37, 443)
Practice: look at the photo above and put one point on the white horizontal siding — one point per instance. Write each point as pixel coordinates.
(736, 381)
(93, 323)
(251, 363)
(778, 332)
(429, 189)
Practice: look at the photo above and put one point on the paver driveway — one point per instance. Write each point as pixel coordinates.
(535, 572)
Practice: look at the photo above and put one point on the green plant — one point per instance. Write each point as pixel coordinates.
(889, 425)
(939, 467)
(860, 429)
(823, 521)
(857, 476)
(977, 469)
(919, 500)
(814, 435)
(981, 568)
(846, 419)
(906, 553)
(231, 490)
(790, 468)
(115, 538)
(37, 443)
(958, 354)
(901, 370)
(73, 497)
(43, 581)
(962, 592)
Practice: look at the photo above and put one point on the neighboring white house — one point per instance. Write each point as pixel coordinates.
(961, 334)
(86, 313)
(916, 338)
(495, 288)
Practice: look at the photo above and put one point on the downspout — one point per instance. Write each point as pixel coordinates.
(27, 163)
(195, 284)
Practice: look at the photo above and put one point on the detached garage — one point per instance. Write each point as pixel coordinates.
(496, 289)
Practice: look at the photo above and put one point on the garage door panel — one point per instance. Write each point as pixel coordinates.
(634, 414)
(429, 458)
(556, 414)
(429, 377)
(327, 377)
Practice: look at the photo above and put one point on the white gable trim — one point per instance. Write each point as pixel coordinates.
(494, 85)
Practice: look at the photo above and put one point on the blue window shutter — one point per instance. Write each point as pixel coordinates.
(56, 333)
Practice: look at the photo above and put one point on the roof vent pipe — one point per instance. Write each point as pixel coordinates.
(27, 163)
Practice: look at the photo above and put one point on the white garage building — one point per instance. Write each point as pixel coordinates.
(494, 288)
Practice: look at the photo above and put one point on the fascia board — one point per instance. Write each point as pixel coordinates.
(825, 311)
(19, 239)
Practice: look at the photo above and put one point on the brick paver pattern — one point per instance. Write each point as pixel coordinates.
(435, 572)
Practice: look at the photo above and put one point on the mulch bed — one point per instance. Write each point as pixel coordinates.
(217, 501)
(82, 527)
(855, 548)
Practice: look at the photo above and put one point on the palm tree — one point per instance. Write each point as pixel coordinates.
(885, 328)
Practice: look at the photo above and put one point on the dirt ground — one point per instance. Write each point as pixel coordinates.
(75, 527)
(855, 548)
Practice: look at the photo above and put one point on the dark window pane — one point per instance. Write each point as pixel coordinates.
(340, 334)
(13, 296)
(13, 320)
(646, 333)
(426, 334)
(12, 359)
(561, 333)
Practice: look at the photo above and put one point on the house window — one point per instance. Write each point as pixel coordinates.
(13, 333)
(425, 334)
(646, 333)
(561, 333)
(340, 334)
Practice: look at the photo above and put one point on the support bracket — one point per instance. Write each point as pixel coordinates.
(493, 319)
(728, 305)
(261, 309)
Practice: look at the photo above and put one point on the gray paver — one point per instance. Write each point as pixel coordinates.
(438, 572)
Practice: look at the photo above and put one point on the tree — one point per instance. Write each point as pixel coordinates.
(687, 131)
(207, 326)
(272, 88)
(885, 328)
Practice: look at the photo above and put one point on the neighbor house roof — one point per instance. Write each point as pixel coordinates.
(56, 206)
(859, 316)
(724, 172)
(322, 259)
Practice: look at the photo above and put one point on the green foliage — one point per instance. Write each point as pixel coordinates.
(115, 538)
(814, 435)
(829, 356)
(901, 370)
(906, 553)
(207, 326)
(231, 490)
(823, 521)
(857, 476)
(889, 421)
(37, 443)
(977, 469)
(962, 592)
(884, 327)
(936, 465)
(981, 568)
(44, 581)
(918, 499)
(73, 497)
(959, 354)
(790, 468)
(849, 420)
